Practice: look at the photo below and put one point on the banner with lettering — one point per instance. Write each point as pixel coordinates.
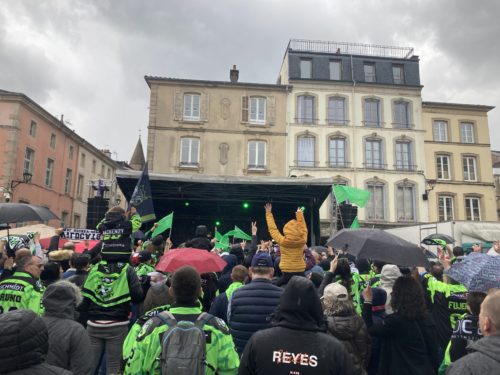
(81, 234)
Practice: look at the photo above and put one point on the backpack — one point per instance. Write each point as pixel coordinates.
(183, 345)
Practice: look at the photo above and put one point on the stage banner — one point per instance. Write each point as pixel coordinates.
(81, 234)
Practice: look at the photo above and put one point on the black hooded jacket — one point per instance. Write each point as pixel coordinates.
(297, 343)
(67, 338)
(116, 231)
(24, 342)
(200, 239)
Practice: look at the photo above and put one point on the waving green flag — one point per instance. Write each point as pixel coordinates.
(163, 225)
(355, 223)
(356, 196)
(222, 241)
(238, 233)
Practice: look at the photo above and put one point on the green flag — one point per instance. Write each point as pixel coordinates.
(238, 233)
(358, 197)
(163, 225)
(222, 241)
(355, 223)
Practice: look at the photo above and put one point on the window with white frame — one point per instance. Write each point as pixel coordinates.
(337, 152)
(375, 207)
(79, 186)
(256, 155)
(403, 155)
(440, 131)
(67, 181)
(371, 109)
(336, 110)
(257, 110)
(443, 167)
(191, 107)
(469, 163)
(373, 153)
(472, 209)
(306, 145)
(398, 74)
(445, 208)
(305, 68)
(466, 132)
(52, 141)
(49, 173)
(335, 70)
(29, 161)
(33, 129)
(405, 202)
(305, 109)
(401, 114)
(369, 70)
(190, 151)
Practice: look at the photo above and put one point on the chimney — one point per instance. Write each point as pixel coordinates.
(106, 152)
(234, 74)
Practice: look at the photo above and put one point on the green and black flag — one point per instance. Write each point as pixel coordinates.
(142, 199)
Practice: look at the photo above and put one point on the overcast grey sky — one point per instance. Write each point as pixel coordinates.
(87, 59)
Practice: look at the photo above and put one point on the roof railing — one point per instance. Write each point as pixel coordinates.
(303, 45)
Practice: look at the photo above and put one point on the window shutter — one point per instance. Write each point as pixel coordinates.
(204, 107)
(271, 110)
(178, 106)
(244, 109)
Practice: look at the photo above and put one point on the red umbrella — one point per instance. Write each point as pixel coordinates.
(202, 260)
(79, 246)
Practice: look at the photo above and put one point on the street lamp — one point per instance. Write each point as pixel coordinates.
(26, 180)
(430, 186)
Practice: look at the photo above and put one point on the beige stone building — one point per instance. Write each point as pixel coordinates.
(460, 183)
(217, 128)
(354, 115)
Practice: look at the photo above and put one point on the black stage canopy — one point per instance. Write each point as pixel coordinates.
(224, 202)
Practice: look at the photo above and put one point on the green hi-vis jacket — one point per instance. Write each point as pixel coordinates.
(143, 269)
(145, 355)
(21, 291)
(106, 288)
(136, 328)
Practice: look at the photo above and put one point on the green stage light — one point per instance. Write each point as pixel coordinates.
(186, 204)
(217, 223)
(246, 205)
(303, 208)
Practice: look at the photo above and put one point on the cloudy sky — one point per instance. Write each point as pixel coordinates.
(87, 59)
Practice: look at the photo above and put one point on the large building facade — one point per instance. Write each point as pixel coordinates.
(46, 163)
(354, 115)
(217, 128)
(458, 157)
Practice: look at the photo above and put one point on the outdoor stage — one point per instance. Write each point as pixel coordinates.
(228, 201)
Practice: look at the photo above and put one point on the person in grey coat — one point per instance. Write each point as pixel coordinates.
(24, 343)
(69, 344)
(484, 354)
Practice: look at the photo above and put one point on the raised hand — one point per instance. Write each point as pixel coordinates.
(254, 228)
(333, 263)
(268, 207)
(368, 294)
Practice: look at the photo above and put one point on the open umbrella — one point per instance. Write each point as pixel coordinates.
(429, 240)
(20, 212)
(376, 244)
(319, 249)
(202, 260)
(478, 272)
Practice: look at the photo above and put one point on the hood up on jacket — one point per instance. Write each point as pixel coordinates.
(488, 346)
(231, 261)
(113, 217)
(293, 233)
(300, 306)
(61, 299)
(24, 340)
(388, 275)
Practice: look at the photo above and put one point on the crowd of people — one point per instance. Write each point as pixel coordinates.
(277, 307)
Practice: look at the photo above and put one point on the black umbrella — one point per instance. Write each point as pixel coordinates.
(429, 240)
(376, 244)
(20, 212)
(319, 249)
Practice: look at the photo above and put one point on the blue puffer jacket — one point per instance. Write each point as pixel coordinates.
(250, 310)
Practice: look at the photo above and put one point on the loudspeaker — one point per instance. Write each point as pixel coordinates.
(96, 209)
(346, 215)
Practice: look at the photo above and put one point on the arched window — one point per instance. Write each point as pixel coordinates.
(337, 152)
(375, 207)
(405, 201)
(404, 155)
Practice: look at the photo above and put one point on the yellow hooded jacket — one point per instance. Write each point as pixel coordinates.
(292, 243)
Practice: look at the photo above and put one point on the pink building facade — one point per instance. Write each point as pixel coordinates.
(40, 157)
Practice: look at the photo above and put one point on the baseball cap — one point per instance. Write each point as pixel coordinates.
(262, 260)
(337, 291)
